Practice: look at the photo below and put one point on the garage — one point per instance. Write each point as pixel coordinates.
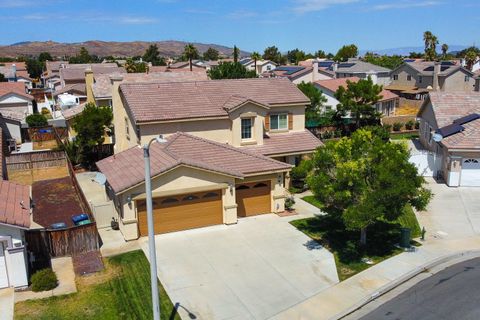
(253, 198)
(182, 212)
(470, 173)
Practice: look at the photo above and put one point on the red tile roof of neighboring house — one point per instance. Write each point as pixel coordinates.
(20, 66)
(126, 169)
(450, 106)
(73, 111)
(333, 85)
(14, 204)
(286, 143)
(14, 87)
(78, 88)
(149, 102)
(71, 74)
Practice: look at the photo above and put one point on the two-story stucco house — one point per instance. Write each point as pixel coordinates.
(230, 145)
(415, 79)
(361, 69)
(262, 65)
(299, 74)
(450, 129)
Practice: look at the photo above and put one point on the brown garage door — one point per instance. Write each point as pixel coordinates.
(181, 212)
(253, 198)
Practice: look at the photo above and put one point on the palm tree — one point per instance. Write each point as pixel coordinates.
(190, 52)
(255, 56)
(427, 37)
(444, 50)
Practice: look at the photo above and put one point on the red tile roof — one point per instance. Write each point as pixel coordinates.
(14, 204)
(182, 100)
(333, 85)
(287, 143)
(449, 106)
(126, 169)
(14, 87)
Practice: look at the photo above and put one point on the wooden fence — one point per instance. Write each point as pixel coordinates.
(66, 242)
(36, 160)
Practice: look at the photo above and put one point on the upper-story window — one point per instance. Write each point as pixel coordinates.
(467, 78)
(247, 128)
(409, 78)
(279, 121)
(395, 77)
(420, 79)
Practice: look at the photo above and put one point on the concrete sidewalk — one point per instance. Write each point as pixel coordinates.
(347, 296)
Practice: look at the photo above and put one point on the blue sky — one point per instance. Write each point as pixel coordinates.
(250, 24)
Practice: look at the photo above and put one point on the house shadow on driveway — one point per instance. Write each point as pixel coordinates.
(251, 270)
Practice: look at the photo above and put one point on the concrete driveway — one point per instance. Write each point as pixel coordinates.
(251, 270)
(453, 213)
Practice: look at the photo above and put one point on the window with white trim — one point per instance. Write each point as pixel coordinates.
(279, 121)
(247, 128)
(409, 78)
(395, 77)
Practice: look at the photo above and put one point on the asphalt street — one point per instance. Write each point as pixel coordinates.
(453, 294)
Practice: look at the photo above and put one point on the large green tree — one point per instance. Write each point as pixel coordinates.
(236, 53)
(34, 68)
(390, 62)
(444, 50)
(83, 56)
(470, 58)
(363, 179)
(359, 99)
(135, 67)
(273, 54)
(211, 54)
(346, 52)
(231, 70)
(190, 52)
(91, 126)
(44, 56)
(152, 55)
(313, 111)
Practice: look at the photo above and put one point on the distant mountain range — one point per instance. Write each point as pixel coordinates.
(405, 51)
(105, 48)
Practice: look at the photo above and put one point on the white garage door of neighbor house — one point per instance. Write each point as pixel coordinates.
(470, 173)
(3, 268)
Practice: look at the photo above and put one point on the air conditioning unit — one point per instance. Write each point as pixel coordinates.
(18, 244)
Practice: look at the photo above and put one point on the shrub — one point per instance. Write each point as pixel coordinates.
(397, 126)
(417, 125)
(289, 202)
(44, 280)
(45, 111)
(36, 120)
(409, 124)
(388, 127)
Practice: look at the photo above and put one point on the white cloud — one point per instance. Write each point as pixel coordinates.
(304, 6)
(405, 5)
(91, 18)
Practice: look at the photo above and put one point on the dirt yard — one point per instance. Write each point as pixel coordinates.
(42, 145)
(30, 176)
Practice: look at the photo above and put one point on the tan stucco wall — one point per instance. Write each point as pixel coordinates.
(122, 141)
(456, 82)
(427, 116)
(216, 130)
(403, 71)
(248, 110)
(88, 86)
(298, 113)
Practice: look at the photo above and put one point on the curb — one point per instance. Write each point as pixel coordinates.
(409, 275)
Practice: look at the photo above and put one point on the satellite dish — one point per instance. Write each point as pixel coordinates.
(437, 137)
(100, 178)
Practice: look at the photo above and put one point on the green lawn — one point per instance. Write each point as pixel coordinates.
(382, 238)
(404, 136)
(121, 291)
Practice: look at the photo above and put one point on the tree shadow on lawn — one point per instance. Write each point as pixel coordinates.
(331, 233)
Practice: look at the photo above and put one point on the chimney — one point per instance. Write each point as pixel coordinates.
(89, 85)
(14, 72)
(315, 75)
(436, 71)
(373, 76)
(334, 69)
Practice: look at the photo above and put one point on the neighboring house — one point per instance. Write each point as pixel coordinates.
(15, 106)
(386, 106)
(52, 73)
(16, 72)
(15, 218)
(414, 79)
(77, 89)
(231, 144)
(361, 69)
(185, 65)
(262, 65)
(453, 119)
(75, 73)
(299, 74)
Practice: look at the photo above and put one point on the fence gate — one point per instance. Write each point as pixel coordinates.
(103, 213)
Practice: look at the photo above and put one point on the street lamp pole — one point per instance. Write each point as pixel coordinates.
(151, 234)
